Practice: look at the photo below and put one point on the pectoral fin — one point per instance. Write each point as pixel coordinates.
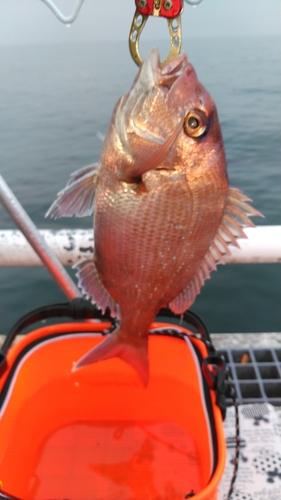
(77, 198)
(234, 219)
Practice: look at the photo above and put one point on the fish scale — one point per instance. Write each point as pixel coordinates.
(138, 247)
(164, 213)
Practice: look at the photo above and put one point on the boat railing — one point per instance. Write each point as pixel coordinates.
(263, 245)
(29, 246)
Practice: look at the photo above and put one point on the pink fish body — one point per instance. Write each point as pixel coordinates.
(163, 210)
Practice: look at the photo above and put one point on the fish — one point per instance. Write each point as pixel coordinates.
(164, 213)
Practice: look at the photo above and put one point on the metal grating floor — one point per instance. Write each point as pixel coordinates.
(256, 374)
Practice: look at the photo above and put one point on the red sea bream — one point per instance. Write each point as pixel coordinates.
(164, 213)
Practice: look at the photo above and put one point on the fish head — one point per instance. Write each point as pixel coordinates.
(167, 121)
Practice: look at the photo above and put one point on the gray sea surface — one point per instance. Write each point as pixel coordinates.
(54, 99)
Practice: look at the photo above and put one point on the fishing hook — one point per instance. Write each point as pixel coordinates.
(167, 8)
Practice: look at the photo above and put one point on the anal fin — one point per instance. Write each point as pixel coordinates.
(90, 284)
(186, 298)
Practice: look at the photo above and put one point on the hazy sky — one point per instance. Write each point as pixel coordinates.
(31, 21)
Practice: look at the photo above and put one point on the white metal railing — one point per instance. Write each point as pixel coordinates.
(262, 246)
(47, 256)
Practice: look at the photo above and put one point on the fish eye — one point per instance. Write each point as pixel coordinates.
(195, 123)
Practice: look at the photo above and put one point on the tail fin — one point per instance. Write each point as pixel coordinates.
(115, 346)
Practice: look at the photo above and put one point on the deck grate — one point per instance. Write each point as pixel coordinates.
(256, 374)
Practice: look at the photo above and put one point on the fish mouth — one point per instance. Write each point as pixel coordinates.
(150, 76)
(153, 74)
(173, 70)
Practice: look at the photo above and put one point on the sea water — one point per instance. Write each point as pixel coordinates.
(55, 100)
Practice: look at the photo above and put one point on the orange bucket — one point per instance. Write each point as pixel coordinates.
(97, 433)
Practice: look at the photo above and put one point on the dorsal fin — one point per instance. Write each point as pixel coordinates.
(91, 285)
(77, 198)
(234, 219)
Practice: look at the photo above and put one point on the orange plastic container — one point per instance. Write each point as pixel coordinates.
(97, 433)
